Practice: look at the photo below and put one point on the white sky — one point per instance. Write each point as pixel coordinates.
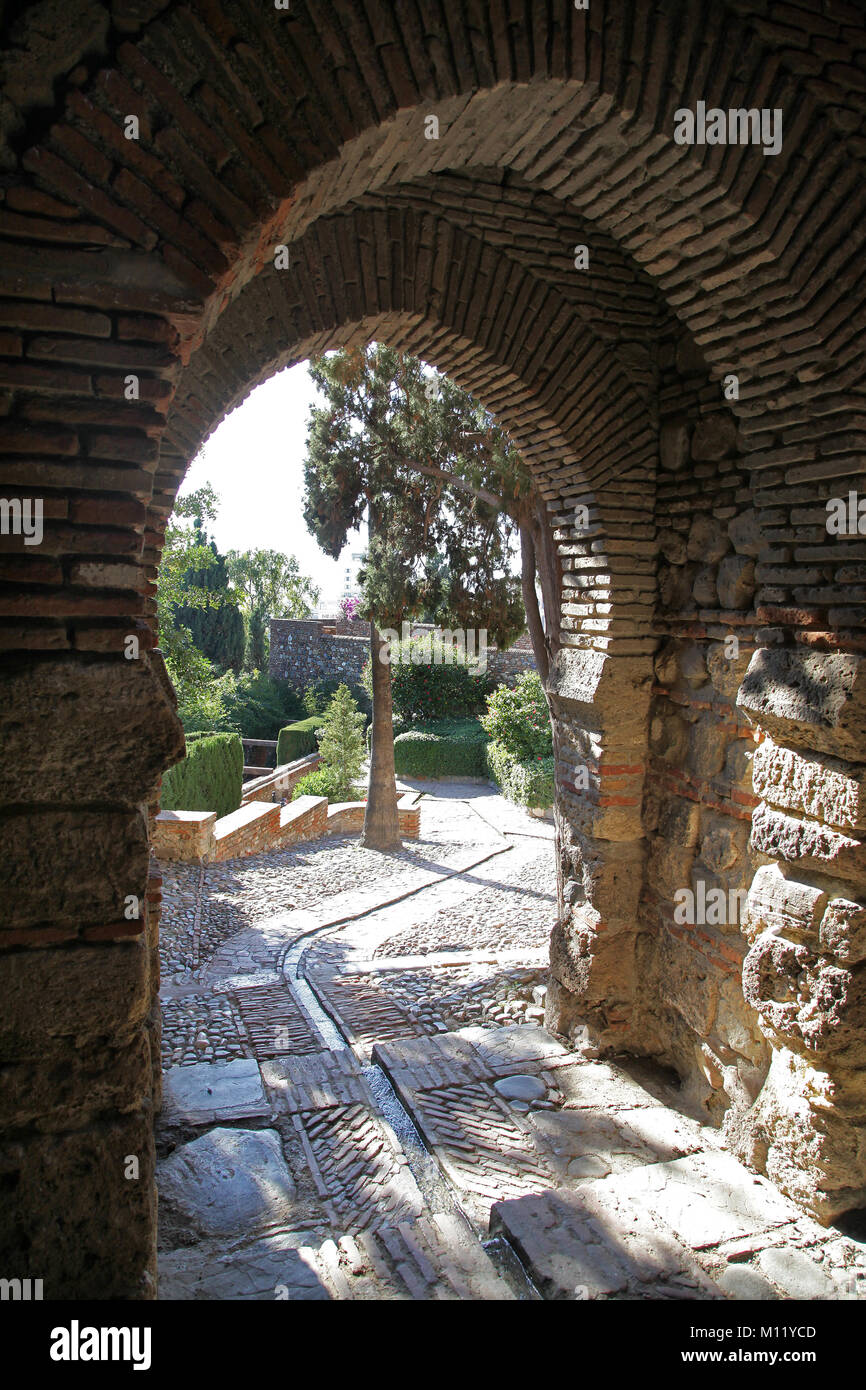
(254, 461)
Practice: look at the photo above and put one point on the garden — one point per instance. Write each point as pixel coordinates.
(449, 723)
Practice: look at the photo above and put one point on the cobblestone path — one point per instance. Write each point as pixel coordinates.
(360, 1100)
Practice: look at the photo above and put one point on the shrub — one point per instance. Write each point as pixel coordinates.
(448, 748)
(252, 704)
(322, 782)
(298, 739)
(421, 690)
(319, 695)
(527, 781)
(210, 778)
(259, 704)
(518, 720)
(341, 742)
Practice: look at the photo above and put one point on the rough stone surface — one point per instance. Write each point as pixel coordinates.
(229, 1182)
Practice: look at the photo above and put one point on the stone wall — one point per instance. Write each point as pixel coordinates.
(303, 650)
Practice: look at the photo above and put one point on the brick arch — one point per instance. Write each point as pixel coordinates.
(126, 257)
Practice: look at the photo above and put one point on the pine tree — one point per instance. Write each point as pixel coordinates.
(341, 740)
(445, 495)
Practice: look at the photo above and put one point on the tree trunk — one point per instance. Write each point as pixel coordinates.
(534, 624)
(381, 824)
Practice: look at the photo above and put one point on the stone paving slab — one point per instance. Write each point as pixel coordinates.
(268, 1269)
(433, 1258)
(571, 1248)
(213, 1092)
(229, 1182)
(706, 1198)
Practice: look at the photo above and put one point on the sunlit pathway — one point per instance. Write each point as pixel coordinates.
(361, 1100)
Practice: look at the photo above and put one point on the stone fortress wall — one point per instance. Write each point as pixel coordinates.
(303, 650)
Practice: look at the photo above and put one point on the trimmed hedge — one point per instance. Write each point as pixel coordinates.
(296, 740)
(322, 782)
(210, 778)
(446, 748)
(529, 782)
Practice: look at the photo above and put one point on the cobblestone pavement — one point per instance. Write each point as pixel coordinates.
(360, 1101)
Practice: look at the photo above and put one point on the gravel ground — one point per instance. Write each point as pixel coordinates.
(199, 1028)
(516, 912)
(241, 892)
(464, 995)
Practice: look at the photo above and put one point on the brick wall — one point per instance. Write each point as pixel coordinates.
(139, 303)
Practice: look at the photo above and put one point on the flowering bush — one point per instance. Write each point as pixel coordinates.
(518, 720)
(350, 608)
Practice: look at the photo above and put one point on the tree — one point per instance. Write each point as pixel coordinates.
(217, 628)
(257, 641)
(269, 585)
(183, 551)
(341, 740)
(271, 581)
(386, 446)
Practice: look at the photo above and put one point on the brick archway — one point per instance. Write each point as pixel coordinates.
(140, 302)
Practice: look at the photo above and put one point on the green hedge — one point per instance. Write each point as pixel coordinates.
(529, 782)
(446, 748)
(322, 782)
(296, 740)
(210, 778)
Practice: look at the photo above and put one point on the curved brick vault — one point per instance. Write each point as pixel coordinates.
(152, 258)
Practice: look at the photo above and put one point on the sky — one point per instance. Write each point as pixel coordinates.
(254, 461)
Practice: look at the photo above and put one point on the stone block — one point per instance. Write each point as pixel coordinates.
(704, 588)
(813, 700)
(813, 846)
(714, 438)
(736, 582)
(48, 726)
(228, 1182)
(65, 1089)
(708, 540)
(83, 994)
(605, 692)
(822, 787)
(76, 1222)
(74, 867)
(674, 444)
(745, 533)
(782, 905)
(843, 931)
(813, 1003)
(808, 1140)
(686, 982)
